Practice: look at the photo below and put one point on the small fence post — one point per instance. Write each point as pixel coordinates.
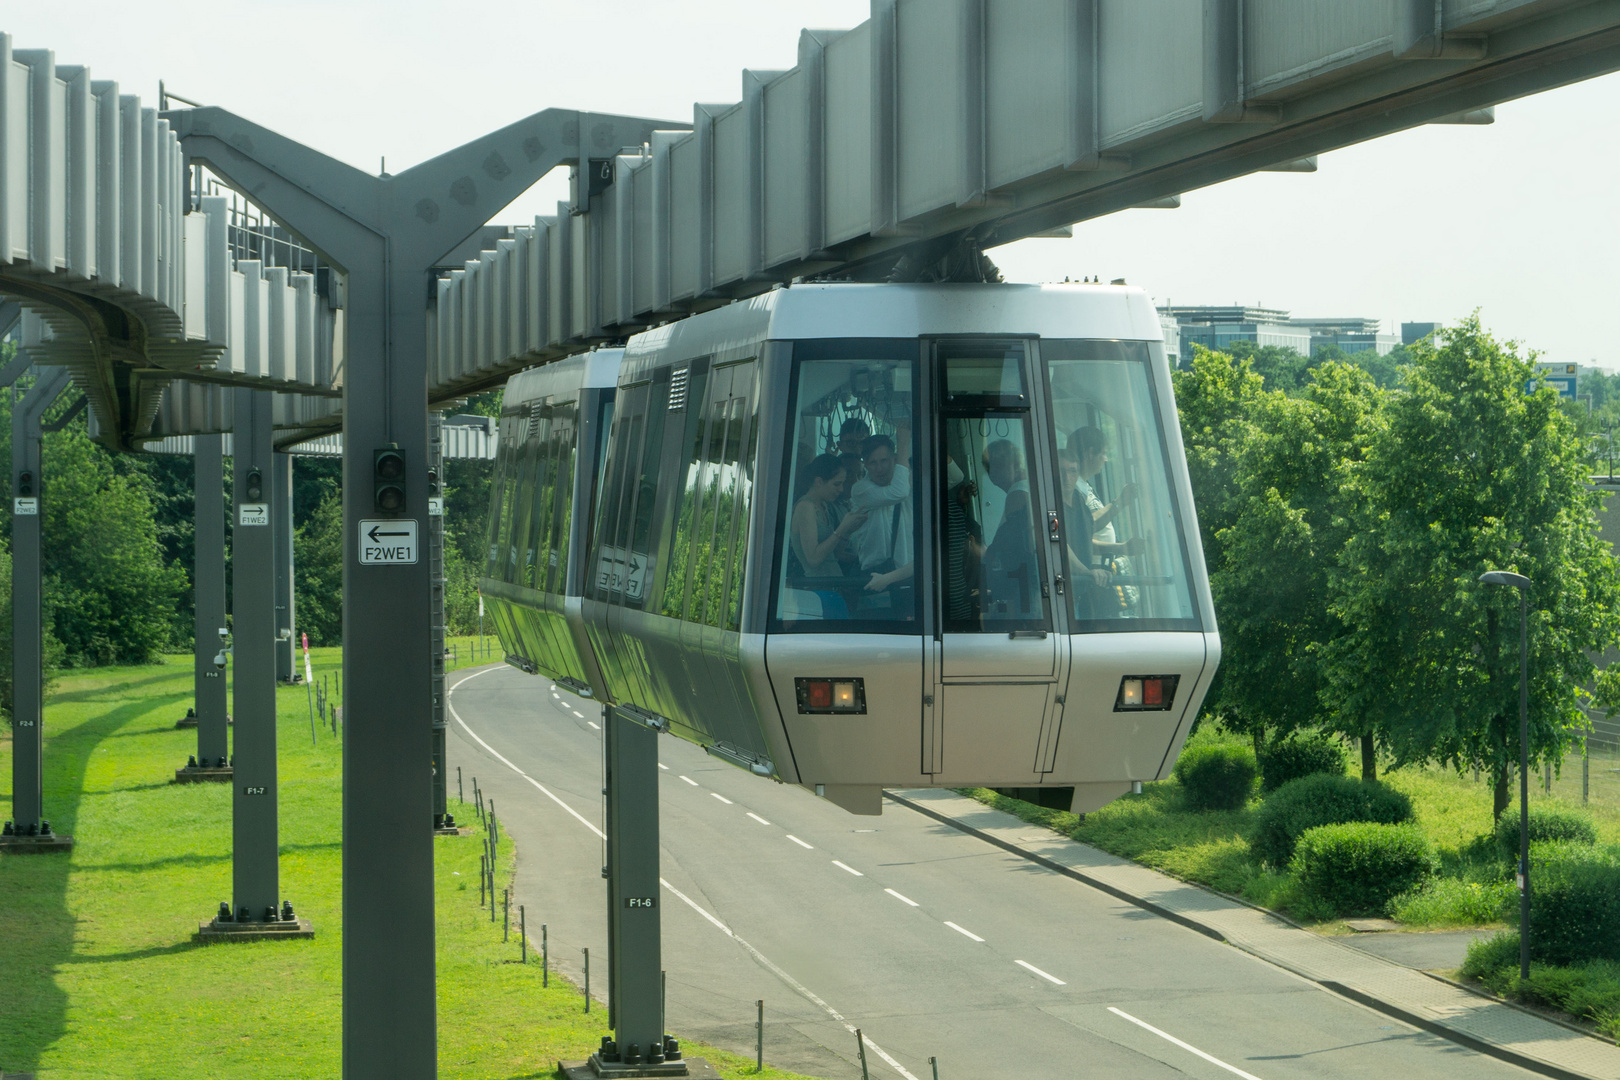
(523, 937)
(759, 1037)
(483, 876)
(506, 914)
(587, 982)
(461, 792)
(545, 958)
(933, 1063)
(860, 1044)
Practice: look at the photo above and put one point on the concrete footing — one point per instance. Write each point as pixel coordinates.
(214, 931)
(198, 775)
(695, 1068)
(36, 845)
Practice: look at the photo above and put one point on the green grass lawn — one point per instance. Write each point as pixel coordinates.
(1211, 848)
(99, 976)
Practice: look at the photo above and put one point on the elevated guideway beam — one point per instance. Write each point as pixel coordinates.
(385, 234)
(939, 127)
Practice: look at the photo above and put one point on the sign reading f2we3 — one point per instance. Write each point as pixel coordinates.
(388, 542)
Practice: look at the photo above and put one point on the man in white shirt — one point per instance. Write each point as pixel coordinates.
(883, 544)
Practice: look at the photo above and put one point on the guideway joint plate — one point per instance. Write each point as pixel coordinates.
(215, 931)
(36, 845)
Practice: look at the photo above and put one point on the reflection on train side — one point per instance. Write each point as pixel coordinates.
(961, 509)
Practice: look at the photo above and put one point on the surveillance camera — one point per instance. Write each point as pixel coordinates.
(219, 659)
(224, 632)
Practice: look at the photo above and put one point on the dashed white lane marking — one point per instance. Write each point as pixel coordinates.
(590, 722)
(764, 960)
(757, 818)
(964, 933)
(579, 714)
(689, 780)
(661, 765)
(798, 986)
(902, 899)
(722, 798)
(841, 866)
(1189, 1047)
(1042, 974)
(801, 843)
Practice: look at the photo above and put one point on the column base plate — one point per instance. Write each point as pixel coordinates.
(36, 845)
(214, 931)
(199, 775)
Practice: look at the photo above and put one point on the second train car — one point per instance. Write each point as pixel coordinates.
(862, 536)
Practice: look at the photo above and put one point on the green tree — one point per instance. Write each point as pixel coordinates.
(1281, 367)
(1216, 397)
(318, 571)
(1470, 474)
(1290, 521)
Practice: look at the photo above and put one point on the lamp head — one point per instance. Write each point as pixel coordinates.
(1505, 577)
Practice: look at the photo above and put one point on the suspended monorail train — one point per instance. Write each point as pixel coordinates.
(860, 536)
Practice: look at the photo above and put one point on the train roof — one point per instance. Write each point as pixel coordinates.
(848, 310)
(565, 377)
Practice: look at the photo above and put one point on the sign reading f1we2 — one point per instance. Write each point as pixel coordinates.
(388, 542)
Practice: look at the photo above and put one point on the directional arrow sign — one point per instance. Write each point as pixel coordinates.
(389, 542)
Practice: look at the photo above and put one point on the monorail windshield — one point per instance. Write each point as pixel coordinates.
(1046, 471)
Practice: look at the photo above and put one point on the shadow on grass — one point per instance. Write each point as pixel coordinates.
(33, 898)
(138, 954)
(97, 693)
(196, 860)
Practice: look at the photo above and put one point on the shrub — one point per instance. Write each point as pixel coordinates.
(1489, 957)
(1217, 777)
(1321, 799)
(1299, 755)
(1449, 902)
(1574, 903)
(1546, 824)
(1359, 867)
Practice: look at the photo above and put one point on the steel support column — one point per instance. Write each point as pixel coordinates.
(435, 555)
(255, 877)
(208, 485)
(27, 626)
(635, 993)
(280, 478)
(386, 234)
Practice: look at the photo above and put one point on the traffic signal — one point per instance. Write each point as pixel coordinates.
(25, 484)
(388, 478)
(253, 490)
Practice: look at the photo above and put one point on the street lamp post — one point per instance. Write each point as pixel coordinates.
(1522, 583)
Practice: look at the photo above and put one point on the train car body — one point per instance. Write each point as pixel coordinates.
(857, 536)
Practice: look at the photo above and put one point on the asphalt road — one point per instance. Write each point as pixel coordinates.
(934, 943)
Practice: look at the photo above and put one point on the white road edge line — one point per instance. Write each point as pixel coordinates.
(498, 756)
(722, 798)
(903, 899)
(764, 961)
(1211, 1058)
(851, 869)
(689, 780)
(757, 818)
(801, 843)
(661, 765)
(797, 986)
(1042, 974)
(964, 933)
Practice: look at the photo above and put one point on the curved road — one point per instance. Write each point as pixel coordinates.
(934, 943)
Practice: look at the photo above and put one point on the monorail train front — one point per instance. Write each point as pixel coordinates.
(867, 536)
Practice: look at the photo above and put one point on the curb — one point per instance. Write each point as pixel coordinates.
(1501, 1053)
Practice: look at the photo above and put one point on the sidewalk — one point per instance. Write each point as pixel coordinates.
(1473, 1020)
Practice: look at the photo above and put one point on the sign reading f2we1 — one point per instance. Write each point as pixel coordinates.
(388, 542)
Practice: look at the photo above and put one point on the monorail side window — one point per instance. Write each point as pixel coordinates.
(1122, 530)
(847, 536)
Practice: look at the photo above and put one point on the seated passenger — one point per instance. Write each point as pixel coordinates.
(964, 547)
(1010, 588)
(813, 537)
(1091, 448)
(883, 544)
(1079, 533)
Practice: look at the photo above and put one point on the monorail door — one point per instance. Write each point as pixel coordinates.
(1000, 653)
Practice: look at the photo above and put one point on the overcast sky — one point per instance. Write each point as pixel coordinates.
(1518, 219)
